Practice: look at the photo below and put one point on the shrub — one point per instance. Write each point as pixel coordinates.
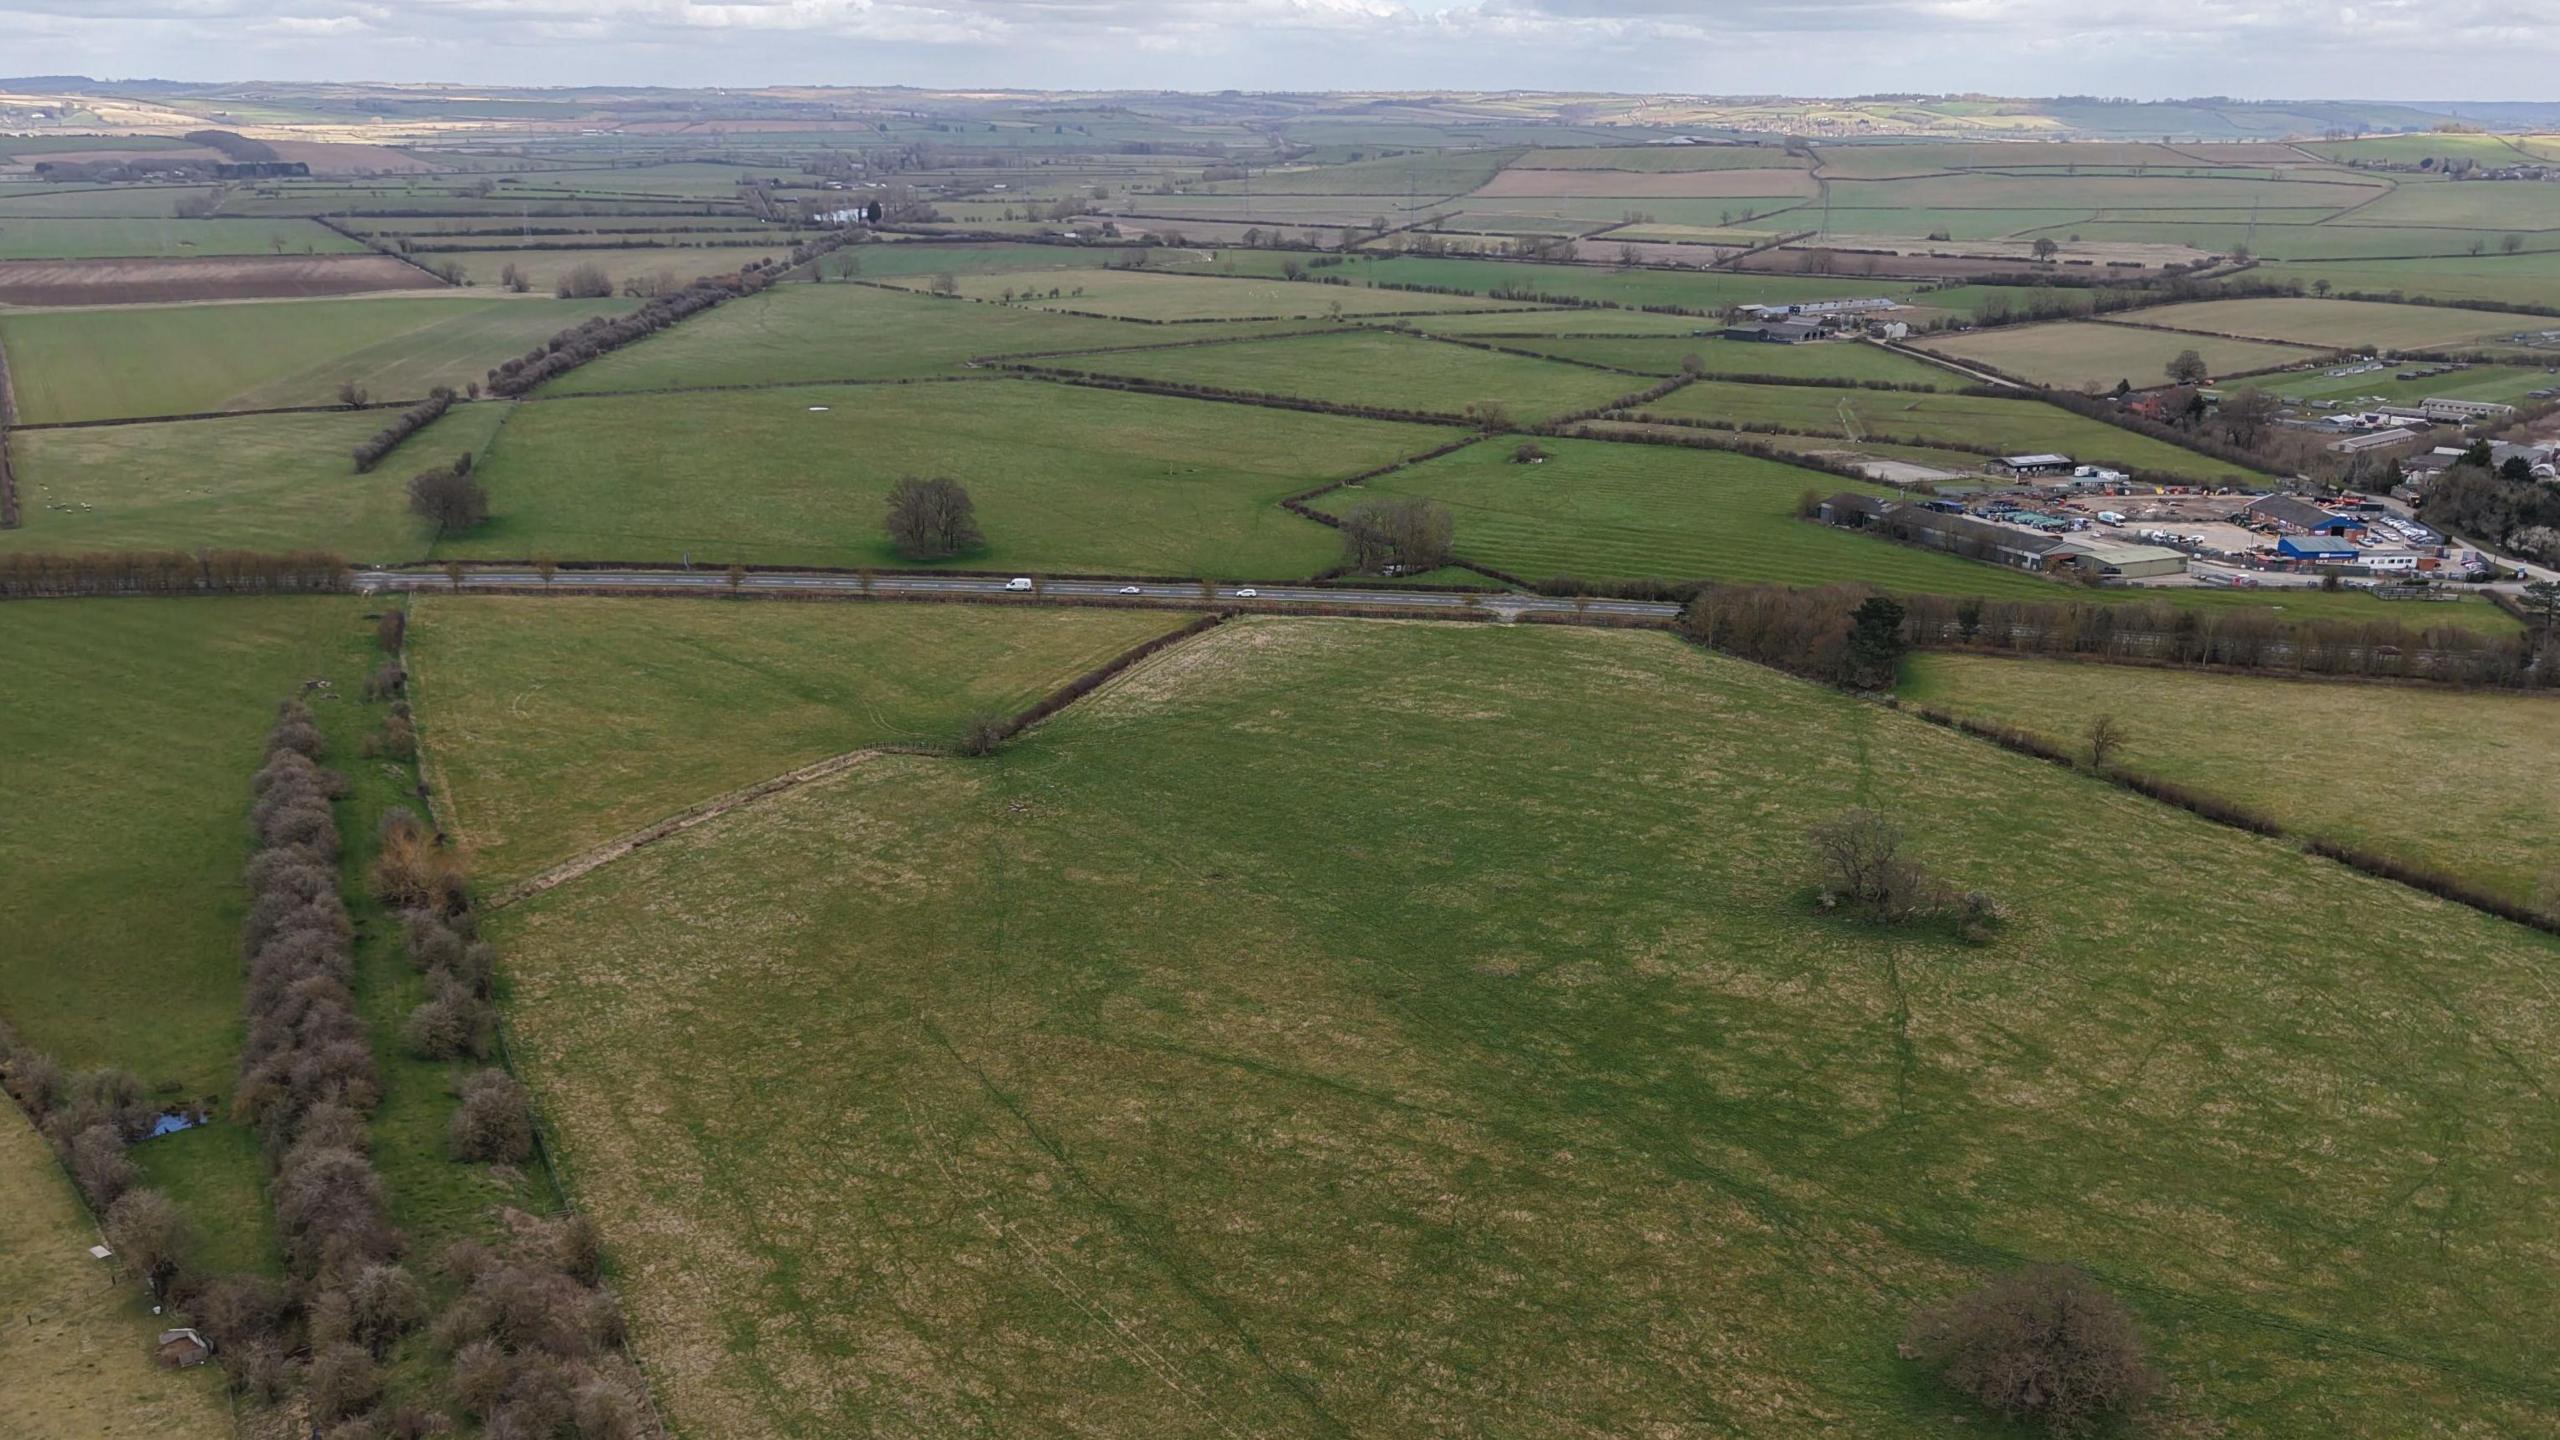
(384, 1303)
(343, 1380)
(1863, 866)
(146, 1227)
(238, 1310)
(494, 1122)
(2045, 1344)
(983, 733)
(100, 1166)
(583, 282)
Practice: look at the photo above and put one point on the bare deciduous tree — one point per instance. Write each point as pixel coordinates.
(448, 498)
(2107, 736)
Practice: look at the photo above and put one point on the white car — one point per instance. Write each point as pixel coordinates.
(1129, 590)
(1247, 593)
(1018, 582)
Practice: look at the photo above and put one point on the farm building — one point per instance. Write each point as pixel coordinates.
(2316, 548)
(2294, 514)
(1776, 332)
(2440, 408)
(2118, 561)
(2031, 467)
(1851, 510)
(1964, 535)
(2373, 440)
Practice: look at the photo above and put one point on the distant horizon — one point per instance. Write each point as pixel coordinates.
(2395, 50)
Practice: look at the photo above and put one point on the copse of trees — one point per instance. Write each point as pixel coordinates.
(1864, 867)
(417, 417)
(1405, 535)
(2514, 511)
(932, 519)
(449, 497)
(586, 281)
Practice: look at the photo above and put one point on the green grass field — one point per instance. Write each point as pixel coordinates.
(2465, 783)
(2531, 278)
(76, 1349)
(102, 239)
(2087, 355)
(1666, 355)
(2015, 426)
(1370, 367)
(1066, 478)
(1636, 287)
(559, 724)
(2336, 324)
(182, 360)
(1257, 1047)
(1601, 510)
(809, 333)
(136, 725)
(542, 269)
(1147, 295)
(251, 482)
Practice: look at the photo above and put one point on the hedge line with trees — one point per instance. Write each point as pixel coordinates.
(173, 572)
(409, 422)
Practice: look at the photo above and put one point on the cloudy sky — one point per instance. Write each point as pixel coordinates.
(2368, 49)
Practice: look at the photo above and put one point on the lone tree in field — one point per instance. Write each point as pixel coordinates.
(1407, 535)
(2189, 368)
(448, 497)
(2107, 736)
(1861, 863)
(2045, 1344)
(2045, 247)
(932, 519)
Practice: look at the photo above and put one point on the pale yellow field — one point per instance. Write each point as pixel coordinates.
(75, 1351)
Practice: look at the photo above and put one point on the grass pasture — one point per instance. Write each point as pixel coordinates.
(559, 724)
(76, 1349)
(2088, 355)
(803, 334)
(182, 360)
(166, 239)
(1372, 367)
(251, 482)
(1169, 298)
(2530, 278)
(542, 269)
(2465, 783)
(1066, 478)
(1667, 355)
(2014, 426)
(1601, 510)
(2336, 324)
(1121, 1102)
(2498, 384)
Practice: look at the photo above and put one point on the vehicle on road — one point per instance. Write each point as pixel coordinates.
(1247, 593)
(1129, 590)
(1018, 582)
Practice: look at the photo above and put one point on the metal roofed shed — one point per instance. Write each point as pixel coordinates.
(2027, 466)
(2123, 561)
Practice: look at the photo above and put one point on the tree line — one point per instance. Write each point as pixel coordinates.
(173, 572)
(409, 422)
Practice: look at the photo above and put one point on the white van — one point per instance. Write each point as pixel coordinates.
(1018, 582)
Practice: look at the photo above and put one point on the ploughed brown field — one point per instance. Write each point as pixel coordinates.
(212, 277)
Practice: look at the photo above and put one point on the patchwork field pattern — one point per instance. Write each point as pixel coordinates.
(1152, 1119)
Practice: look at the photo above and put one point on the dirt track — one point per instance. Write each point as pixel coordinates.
(226, 277)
